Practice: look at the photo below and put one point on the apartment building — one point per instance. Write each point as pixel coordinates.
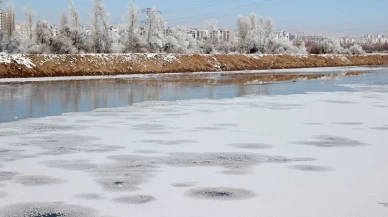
(219, 34)
(7, 21)
(283, 35)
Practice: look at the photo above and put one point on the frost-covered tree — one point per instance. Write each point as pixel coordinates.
(19, 43)
(64, 43)
(332, 46)
(64, 22)
(74, 13)
(43, 33)
(252, 34)
(356, 49)
(25, 41)
(178, 41)
(72, 38)
(101, 37)
(131, 37)
(29, 16)
(155, 31)
(208, 45)
(244, 28)
(283, 46)
(211, 27)
(44, 38)
(268, 32)
(256, 35)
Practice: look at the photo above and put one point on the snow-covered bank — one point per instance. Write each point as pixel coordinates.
(26, 66)
(318, 154)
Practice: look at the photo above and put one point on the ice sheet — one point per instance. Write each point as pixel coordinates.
(321, 155)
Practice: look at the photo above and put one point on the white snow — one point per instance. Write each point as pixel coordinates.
(18, 58)
(352, 183)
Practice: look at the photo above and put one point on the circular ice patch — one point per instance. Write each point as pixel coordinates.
(168, 142)
(278, 159)
(251, 145)
(38, 180)
(310, 168)
(226, 125)
(384, 204)
(147, 152)
(149, 127)
(184, 184)
(209, 128)
(121, 184)
(327, 141)
(46, 210)
(101, 148)
(236, 172)
(135, 199)
(74, 165)
(226, 160)
(339, 102)
(158, 133)
(90, 196)
(5, 176)
(380, 128)
(314, 124)
(221, 193)
(349, 123)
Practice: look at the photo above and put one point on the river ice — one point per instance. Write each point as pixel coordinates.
(316, 154)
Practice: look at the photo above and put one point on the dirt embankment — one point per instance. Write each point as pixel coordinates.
(24, 66)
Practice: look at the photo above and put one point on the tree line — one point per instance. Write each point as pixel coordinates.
(254, 35)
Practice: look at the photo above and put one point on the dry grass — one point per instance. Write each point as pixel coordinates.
(88, 65)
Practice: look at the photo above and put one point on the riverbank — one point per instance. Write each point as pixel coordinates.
(26, 66)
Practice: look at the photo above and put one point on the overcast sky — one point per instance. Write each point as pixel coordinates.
(332, 17)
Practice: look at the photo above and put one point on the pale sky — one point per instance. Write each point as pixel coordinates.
(332, 17)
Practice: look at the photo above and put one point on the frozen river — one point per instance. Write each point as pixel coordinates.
(296, 149)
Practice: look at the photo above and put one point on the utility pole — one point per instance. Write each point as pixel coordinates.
(151, 14)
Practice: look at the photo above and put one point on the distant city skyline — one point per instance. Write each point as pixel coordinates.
(314, 17)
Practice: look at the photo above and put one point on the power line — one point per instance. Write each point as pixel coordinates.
(191, 5)
(280, 2)
(215, 13)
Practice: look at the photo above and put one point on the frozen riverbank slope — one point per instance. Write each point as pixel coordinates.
(25, 66)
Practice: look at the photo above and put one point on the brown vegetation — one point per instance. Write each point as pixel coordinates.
(88, 65)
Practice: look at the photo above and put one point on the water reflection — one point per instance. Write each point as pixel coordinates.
(54, 98)
(29, 100)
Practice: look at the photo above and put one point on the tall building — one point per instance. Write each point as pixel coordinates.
(3, 18)
(7, 21)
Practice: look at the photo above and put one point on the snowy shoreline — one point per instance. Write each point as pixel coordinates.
(28, 66)
(145, 76)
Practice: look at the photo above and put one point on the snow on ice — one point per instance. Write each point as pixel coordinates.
(296, 156)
